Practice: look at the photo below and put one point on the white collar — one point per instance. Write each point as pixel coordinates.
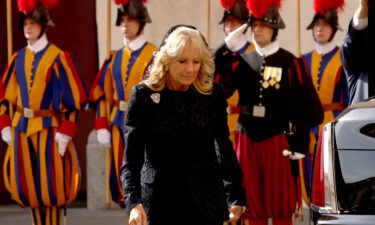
(323, 49)
(135, 44)
(39, 45)
(269, 49)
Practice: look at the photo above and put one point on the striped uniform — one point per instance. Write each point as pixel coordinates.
(329, 80)
(112, 87)
(42, 93)
(330, 83)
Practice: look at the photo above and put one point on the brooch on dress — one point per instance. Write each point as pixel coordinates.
(155, 97)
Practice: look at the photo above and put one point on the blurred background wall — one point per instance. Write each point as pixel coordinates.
(166, 13)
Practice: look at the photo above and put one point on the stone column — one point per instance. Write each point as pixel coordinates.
(96, 165)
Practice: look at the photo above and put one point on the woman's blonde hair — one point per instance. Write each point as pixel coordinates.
(173, 47)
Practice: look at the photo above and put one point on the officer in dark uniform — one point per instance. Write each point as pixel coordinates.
(275, 115)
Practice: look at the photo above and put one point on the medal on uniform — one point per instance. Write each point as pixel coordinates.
(259, 111)
(265, 84)
(267, 73)
(271, 77)
(278, 74)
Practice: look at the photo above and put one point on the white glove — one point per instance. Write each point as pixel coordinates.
(6, 135)
(104, 137)
(62, 142)
(293, 156)
(236, 39)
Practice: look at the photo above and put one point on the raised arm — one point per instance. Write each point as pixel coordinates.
(355, 42)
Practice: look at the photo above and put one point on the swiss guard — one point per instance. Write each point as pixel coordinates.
(43, 93)
(111, 90)
(325, 69)
(277, 105)
(235, 15)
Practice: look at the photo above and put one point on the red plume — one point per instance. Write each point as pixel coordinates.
(49, 4)
(322, 6)
(260, 8)
(121, 2)
(26, 6)
(125, 2)
(227, 4)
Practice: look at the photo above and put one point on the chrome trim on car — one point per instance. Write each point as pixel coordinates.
(329, 176)
(322, 210)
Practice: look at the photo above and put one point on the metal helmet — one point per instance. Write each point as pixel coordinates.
(39, 14)
(135, 9)
(238, 11)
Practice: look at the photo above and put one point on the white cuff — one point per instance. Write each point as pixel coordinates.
(293, 155)
(359, 24)
(62, 142)
(104, 137)
(236, 39)
(6, 135)
(296, 156)
(236, 43)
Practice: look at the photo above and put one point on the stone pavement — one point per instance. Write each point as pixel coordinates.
(77, 215)
(80, 215)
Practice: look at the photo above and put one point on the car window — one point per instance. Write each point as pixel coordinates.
(355, 177)
(368, 130)
(356, 130)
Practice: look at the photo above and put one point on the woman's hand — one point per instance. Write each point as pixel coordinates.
(138, 216)
(234, 213)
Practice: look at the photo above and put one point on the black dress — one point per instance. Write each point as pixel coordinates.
(170, 162)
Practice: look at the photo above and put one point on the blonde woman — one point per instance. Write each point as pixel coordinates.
(171, 173)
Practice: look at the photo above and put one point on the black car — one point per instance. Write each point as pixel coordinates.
(343, 179)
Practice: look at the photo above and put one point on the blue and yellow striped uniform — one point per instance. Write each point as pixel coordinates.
(330, 83)
(48, 84)
(119, 73)
(329, 80)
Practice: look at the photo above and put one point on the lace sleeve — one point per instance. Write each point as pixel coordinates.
(134, 151)
(231, 169)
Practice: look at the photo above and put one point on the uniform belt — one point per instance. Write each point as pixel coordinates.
(30, 113)
(269, 113)
(121, 105)
(247, 110)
